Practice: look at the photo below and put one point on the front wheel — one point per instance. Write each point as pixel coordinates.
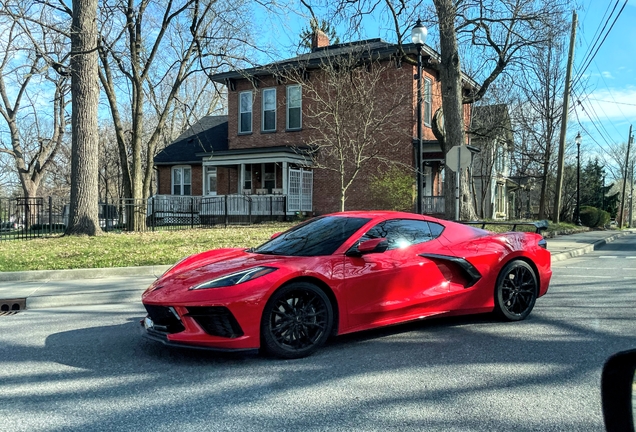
(516, 291)
(296, 321)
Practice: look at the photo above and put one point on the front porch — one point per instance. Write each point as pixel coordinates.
(218, 209)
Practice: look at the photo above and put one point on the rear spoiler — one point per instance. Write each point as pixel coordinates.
(538, 226)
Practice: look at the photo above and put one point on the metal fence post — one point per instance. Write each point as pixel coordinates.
(50, 214)
(191, 212)
(226, 215)
(153, 216)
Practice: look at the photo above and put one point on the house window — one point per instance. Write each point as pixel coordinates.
(269, 177)
(245, 112)
(500, 159)
(247, 178)
(181, 181)
(269, 110)
(428, 101)
(210, 180)
(500, 199)
(294, 105)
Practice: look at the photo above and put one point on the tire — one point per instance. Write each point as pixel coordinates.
(516, 291)
(296, 321)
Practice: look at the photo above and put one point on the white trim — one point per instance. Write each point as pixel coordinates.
(251, 158)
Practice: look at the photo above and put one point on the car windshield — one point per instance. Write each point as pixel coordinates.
(319, 236)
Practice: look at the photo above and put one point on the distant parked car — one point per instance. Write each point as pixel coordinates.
(10, 226)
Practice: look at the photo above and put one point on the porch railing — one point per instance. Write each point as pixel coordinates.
(433, 205)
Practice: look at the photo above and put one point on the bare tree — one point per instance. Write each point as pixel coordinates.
(149, 47)
(351, 126)
(538, 117)
(33, 96)
(498, 31)
(83, 214)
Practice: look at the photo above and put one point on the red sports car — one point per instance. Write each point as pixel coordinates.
(342, 273)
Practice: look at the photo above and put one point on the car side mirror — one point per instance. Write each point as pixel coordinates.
(375, 245)
(617, 383)
(276, 234)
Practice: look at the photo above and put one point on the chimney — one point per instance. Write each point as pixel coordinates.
(319, 39)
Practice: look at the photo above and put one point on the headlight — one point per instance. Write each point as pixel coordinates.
(235, 278)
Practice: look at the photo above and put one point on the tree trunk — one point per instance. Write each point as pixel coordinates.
(450, 74)
(83, 217)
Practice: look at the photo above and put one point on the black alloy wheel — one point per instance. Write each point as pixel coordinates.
(516, 291)
(296, 321)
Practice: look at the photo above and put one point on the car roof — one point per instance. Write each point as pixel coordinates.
(382, 214)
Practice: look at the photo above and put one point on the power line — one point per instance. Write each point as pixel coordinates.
(612, 101)
(587, 64)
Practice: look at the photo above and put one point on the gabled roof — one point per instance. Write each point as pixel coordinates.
(491, 121)
(207, 135)
(369, 48)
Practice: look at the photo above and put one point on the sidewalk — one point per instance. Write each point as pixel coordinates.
(59, 288)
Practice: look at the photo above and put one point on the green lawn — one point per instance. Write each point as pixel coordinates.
(150, 248)
(127, 249)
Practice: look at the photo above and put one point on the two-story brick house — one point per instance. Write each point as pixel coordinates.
(269, 128)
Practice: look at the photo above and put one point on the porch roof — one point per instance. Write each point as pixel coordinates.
(431, 150)
(208, 134)
(296, 155)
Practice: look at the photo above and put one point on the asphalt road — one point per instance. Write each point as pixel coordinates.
(87, 369)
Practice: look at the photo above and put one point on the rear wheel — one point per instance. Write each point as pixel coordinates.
(296, 321)
(516, 291)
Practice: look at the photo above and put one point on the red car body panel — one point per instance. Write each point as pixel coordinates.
(368, 291)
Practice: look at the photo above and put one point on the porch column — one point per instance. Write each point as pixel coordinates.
(241, 179)
(204, 179)
(285, 173)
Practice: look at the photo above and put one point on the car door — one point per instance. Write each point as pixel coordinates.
(397, 284)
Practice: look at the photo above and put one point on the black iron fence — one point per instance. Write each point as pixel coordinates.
(26, 218)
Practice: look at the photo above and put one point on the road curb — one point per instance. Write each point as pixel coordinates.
(561, 256)
(91, 298)
(95, 273)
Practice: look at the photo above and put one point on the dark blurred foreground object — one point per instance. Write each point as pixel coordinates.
(616, 391)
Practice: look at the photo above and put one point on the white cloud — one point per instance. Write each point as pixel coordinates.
(612, 105)
(607, 74)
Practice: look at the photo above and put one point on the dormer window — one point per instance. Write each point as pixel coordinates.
(245, 112)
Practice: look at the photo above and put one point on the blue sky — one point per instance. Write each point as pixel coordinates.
(607, 90)
(609, 100)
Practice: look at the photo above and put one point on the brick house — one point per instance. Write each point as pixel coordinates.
(269, 129)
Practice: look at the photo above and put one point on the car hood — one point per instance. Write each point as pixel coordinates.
(206, 266)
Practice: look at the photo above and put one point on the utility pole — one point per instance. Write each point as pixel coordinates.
(629, 142)
(631, 197)
(564, 123)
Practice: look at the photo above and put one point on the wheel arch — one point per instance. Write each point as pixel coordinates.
(528, 261)
(328, 292)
